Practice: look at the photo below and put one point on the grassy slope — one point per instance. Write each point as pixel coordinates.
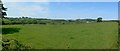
(93, 35)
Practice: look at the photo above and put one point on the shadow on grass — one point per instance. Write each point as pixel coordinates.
(10, 30)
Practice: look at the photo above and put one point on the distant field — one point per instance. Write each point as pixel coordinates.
(74, 36)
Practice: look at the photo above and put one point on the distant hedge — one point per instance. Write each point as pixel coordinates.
(26, 20)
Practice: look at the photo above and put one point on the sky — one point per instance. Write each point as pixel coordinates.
(60, 0)
(63, 10)
(78, 10)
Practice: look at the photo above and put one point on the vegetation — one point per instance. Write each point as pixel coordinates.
(101, 35)
(119, 34)
(39, 33)
(26, 20)
(13, 44)
(99, 19)
(29, 33)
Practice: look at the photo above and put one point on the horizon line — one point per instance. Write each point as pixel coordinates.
(56, 18)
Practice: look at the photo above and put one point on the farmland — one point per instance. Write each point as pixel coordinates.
(102, 35)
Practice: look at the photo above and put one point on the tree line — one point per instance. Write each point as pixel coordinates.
(27, 20)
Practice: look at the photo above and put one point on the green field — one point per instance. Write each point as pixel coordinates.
(102, 35)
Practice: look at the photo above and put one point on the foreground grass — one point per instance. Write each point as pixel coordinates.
(75, 36)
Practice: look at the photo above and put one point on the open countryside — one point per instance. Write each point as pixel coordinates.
(74, 36)
(59, 25)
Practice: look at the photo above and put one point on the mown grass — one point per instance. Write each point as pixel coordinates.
(74, 36)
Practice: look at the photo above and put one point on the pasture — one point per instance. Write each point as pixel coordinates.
(103, 35)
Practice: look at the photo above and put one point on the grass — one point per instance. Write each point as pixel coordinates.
(74, 36)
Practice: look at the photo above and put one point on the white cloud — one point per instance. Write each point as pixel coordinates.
(33, 11)
(33, 8)
(40, 9)
(25, 0)
(60, 0)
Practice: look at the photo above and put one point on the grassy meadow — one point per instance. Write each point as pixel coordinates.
(102, 35)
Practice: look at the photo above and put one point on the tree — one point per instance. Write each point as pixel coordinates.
(99, 19)
(2, 13)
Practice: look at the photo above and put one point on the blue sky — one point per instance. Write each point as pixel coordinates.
(60, 0)
(63, 10)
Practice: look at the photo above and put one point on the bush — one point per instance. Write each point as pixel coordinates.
(13, 44)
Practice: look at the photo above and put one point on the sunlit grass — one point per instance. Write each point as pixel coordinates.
(75, 36)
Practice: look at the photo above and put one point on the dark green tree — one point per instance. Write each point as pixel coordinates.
(99, 19)
(2, 11)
